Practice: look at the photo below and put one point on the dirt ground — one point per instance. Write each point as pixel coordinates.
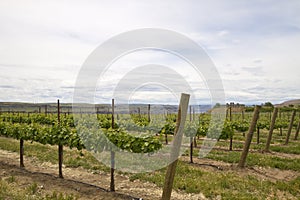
(88, 185)
(79, 181)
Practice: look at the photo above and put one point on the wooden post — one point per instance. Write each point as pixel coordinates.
(230, 113)
(22, 153)
(195, 141)
(297, 131)
(274, 116)
(113, 113)
(193, 114)
(280, 129)
(231, 136)
(191, 139)
(290, 128)
(169, 179)
(244, 154)
(191, 149)
(112, 153)
(149, 117)
(258, 132)
(166, 138)
(60, 147)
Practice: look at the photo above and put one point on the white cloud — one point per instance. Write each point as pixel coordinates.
(253, 44)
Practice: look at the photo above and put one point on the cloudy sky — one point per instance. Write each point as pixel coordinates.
(254, 45)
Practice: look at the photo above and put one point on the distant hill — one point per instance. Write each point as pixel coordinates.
(290, 102)
(100, 108)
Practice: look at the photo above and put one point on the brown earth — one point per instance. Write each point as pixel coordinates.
(86, 184)
(78, 181)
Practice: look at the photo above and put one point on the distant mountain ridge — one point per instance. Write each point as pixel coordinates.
(100, 108)
(289, 102)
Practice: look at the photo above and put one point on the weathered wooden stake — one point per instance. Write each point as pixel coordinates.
(297, 131)
(191, 149)
(22, 153)
(169, 179)
(60, 147)
(112, 153)
(193, 114)
(231, 136)
(290, 128)
(274, 116)
(149, 117)
(191, 139)
(244, 154)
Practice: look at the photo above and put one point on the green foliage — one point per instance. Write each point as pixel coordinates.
(204, 121)
(281, 123)
(241, 125)
(53, 135)
(125, 141)
(140, 120)
(261, 124)
(217, 130)
(106, 121)
(268, 104)
(168, 129)
(190, 129)
(227, 131)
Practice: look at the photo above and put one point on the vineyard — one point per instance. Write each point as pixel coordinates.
(256, 156)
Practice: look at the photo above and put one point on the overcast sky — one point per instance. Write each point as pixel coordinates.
(254, 45)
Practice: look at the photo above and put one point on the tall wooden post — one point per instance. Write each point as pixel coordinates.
(274, 116)
(22, 153)
(193, 114)
(191, 139)
(244, 154)
(60, 147)
(297, 131)
(290, 128)
(231, 136)
(169, 179)
(280, 129)
(112, 153)
(149, 116)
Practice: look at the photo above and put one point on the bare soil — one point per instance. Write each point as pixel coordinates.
(86, 184)
(78, 181)
(263, 173)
